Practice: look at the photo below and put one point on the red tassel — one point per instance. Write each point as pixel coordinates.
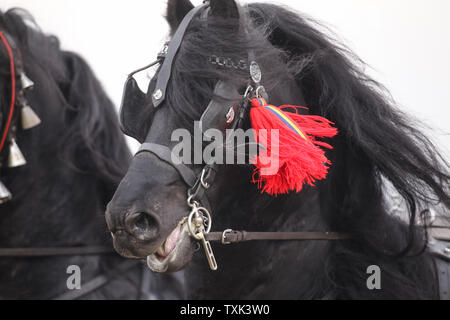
(300, 159)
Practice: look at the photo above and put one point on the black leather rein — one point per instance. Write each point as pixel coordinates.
(54, 251)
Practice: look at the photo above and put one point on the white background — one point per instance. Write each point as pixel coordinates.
(406, 42)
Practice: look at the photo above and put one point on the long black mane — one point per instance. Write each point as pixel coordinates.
(376, 141)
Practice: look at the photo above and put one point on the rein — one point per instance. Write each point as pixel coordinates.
(54, 252)
(231, 236)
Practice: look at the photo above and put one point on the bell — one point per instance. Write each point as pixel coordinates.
(29, 118)
(26, 82)
(15, 158)
(5, 194)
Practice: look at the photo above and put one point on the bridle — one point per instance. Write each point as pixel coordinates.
(199, 221)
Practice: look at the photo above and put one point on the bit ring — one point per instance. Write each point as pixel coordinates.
(195, 232)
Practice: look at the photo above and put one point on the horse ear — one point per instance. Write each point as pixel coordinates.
(176, 10)
(224, 8)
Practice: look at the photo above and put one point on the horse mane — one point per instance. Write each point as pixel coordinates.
(376, 141)
(92, 142)
(373, 131)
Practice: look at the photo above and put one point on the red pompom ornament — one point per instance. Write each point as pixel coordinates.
(293, 156)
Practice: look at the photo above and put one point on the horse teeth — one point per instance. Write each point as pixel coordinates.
(172, 240)
(161, 251)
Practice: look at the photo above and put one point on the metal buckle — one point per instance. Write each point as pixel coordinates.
(224, 235)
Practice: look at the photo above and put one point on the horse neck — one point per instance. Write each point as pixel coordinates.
(267, 269)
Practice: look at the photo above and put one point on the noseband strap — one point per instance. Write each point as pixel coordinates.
(166, 155)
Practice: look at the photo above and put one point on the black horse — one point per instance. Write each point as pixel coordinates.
(75, 159)
(300, 66)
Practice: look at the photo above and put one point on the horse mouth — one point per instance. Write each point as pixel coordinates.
(174, 254)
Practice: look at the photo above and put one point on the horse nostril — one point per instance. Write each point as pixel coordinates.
(142, 225)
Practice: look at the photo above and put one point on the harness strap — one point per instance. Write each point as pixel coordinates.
(188, 175)
(165, 154)
(165, 73)
(51, 252)
(231, 236)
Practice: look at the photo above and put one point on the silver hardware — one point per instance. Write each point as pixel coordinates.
(230, 115)
(199, 223)
(227, 62)
(447, 251)
(29, 118)
(15, 158)
(157, 95)
(248, 91)
(205, 227)
(191, 203)
(224, 236)
(255, 72)
(163, 52)
(209, 253)
(5, 194)
(205, 184)
(165, 49)
(259, 90)
(26, 82)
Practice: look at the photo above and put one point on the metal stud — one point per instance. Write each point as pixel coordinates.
(5, 194)
(29, 118)
(255, 72)
(26, 82)
(15, 158)
(447, 251)
(157, 94)
(230, 115)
